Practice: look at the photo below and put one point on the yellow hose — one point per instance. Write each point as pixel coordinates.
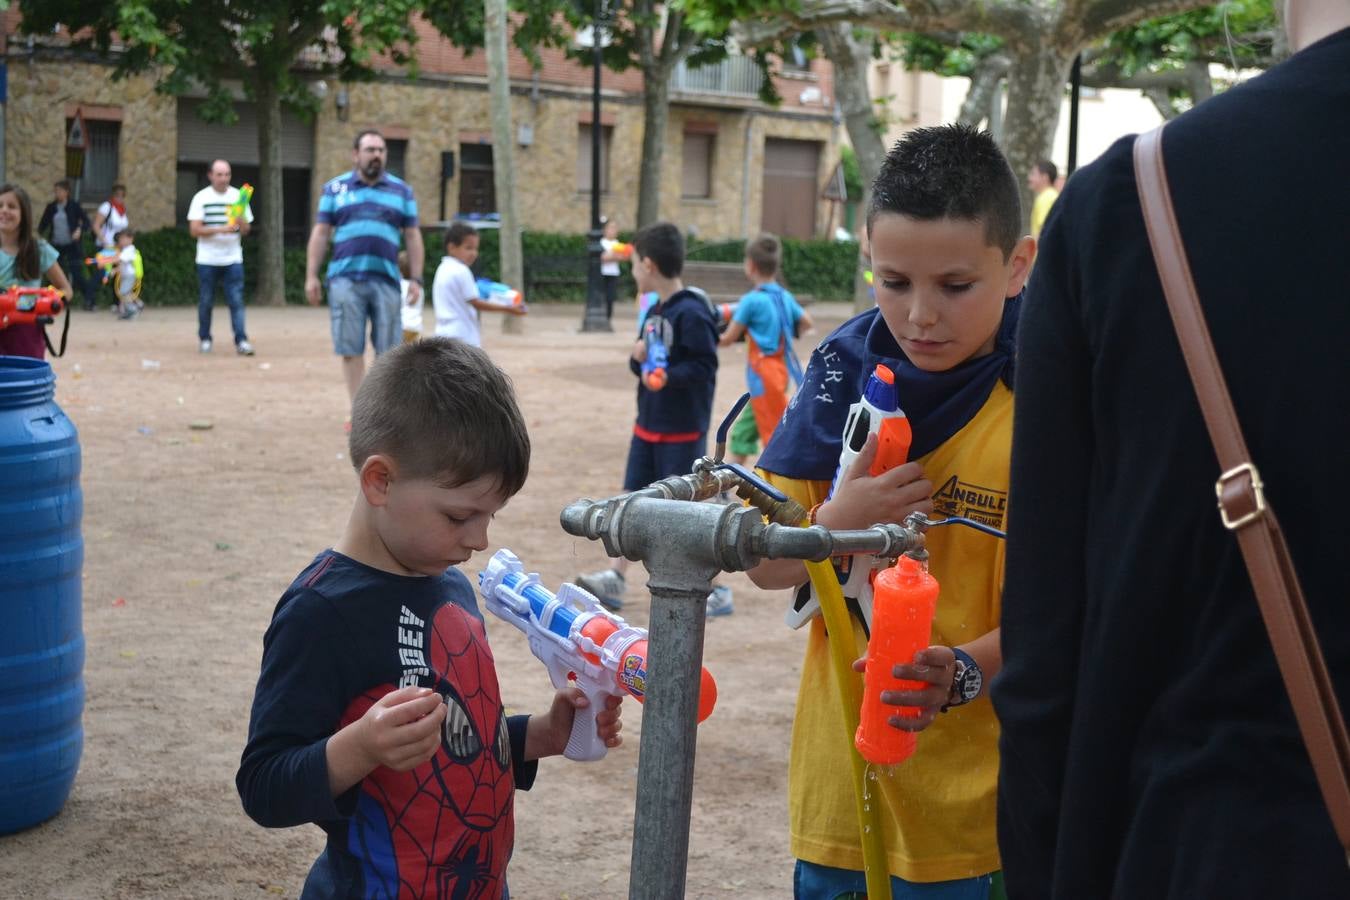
(843, 651)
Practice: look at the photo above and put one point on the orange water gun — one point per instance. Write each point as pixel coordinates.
(30, 306)
(622, 250)
(876, 412)
(106, 261)
(904, 599)
(580, 642)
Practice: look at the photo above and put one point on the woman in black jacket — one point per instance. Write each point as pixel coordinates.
(64, 225)
(1149, 749)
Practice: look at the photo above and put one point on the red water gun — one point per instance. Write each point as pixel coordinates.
(30, 306)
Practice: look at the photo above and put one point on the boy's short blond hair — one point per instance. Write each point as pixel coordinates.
(765, 254)
(441, 409)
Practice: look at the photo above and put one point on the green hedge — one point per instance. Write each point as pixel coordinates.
(170, 256)
(822, 269)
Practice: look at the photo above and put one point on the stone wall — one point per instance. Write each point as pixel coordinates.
(35, 133)
(434, 119)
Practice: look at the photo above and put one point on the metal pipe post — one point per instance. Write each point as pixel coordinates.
(684, 544)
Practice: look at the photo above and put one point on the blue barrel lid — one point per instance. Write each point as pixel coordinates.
(25, 381)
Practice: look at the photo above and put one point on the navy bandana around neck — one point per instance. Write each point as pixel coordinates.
(939, 404)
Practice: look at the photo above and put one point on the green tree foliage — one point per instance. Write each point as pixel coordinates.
(1239, 34)
(256, 45)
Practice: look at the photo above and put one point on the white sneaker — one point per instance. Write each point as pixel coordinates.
(607, 585)
(719, 601)
(205, 346)
(244, 348)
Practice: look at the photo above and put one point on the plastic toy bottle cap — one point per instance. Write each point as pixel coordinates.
(885, 374)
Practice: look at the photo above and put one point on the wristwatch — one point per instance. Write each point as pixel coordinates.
(967, 680)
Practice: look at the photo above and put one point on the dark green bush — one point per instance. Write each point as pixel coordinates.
(821, 269)
(170, 256)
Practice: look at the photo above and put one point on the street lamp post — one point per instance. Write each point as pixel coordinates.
(595, 318)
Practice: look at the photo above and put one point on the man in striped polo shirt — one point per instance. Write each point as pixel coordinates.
(363, 212)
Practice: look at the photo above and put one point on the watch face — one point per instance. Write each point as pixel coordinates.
(972, 679)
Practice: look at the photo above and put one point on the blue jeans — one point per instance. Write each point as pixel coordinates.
(814, 882)
(649, 461)
(231, 279)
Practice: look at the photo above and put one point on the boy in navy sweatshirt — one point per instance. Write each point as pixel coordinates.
(673, 409)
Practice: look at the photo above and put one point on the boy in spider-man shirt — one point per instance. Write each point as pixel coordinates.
(377, 714)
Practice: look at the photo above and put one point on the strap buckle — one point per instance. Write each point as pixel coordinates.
(1253, 495)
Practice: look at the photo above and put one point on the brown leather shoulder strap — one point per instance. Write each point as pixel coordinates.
(1242, 504)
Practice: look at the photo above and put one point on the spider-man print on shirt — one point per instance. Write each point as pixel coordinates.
(444, 829)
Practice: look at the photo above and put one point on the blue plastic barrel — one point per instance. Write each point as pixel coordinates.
(41, 636)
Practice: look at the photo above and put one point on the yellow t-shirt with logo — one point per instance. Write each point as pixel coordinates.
(937, 808)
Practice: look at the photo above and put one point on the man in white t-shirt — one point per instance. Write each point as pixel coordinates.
(220, 255)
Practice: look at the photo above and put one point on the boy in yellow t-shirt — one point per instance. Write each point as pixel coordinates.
(949, 263)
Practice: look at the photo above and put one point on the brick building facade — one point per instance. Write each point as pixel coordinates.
(732, 165)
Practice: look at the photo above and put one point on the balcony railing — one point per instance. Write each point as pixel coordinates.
(735, 76)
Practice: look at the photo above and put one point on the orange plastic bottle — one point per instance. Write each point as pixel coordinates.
(903, 602)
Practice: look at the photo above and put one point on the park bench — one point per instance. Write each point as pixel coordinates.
(553, 272)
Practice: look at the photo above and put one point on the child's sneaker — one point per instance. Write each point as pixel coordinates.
(607, 585)
(130, 312)
(719, 601)
(205, 346)
(244, 348)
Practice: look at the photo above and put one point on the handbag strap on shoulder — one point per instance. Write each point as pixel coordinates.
(1243, 508)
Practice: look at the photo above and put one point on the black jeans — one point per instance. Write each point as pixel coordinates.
(72, 263)
(611, 293)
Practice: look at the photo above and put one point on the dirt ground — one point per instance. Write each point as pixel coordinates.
(191, 535)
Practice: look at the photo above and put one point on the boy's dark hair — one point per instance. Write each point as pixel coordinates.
(457, 232)
(442, 410)
(950, 172)
(125, 231)
(356, 143)
(663, 244)
(64, 184)
(765, 254)
(1048, 169)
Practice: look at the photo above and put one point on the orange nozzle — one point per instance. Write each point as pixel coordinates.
(632, 678)
(893, 439)
(885, 374)
(656, 379)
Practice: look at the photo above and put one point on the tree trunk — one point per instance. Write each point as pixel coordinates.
(655, 103)
(271, 289)
(1162, 102)
(1035, 91)
(849, 51)
(503, 152)
(983, 93)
